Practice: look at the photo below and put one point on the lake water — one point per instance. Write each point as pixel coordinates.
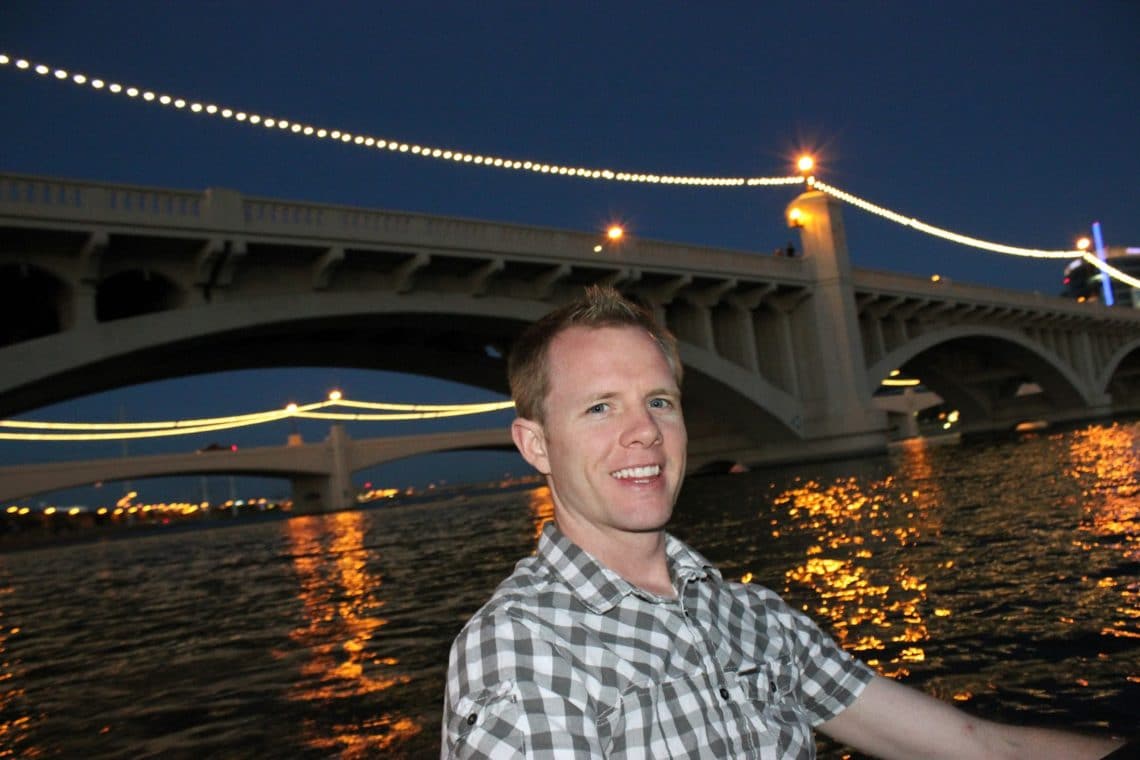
(1003, 576)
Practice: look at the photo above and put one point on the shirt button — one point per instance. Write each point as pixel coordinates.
(471, 719)
(723, 692)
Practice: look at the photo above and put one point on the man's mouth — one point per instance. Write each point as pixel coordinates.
(637, 473)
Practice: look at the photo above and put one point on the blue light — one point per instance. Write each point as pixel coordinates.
(1106, 282)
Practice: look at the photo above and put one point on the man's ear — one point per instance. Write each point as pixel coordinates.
(530, 439)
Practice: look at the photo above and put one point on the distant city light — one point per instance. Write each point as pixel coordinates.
(908, 382)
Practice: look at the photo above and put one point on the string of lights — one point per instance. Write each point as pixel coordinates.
(235, 420)
(1110, 270)
(132, 435)
(378, 143)
(389, 417)
(118, 431)
(458, 156)
(930, 229)
(488, 406)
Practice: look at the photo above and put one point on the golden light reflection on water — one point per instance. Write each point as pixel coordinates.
(1104, 461)
(341, 609)
(541, 509)
(14, 726)
(872, 607)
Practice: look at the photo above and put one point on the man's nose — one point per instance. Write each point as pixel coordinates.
(641, 429)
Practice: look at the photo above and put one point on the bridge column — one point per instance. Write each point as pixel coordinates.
(340, 479)
(332, 492)
(837, 401)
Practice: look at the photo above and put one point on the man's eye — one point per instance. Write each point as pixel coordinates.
(660, 403)
(597, 408)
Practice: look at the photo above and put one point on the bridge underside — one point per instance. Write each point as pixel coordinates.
(994, 384)
(1124, 386)
(467, 350)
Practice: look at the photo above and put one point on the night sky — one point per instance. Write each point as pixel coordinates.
(1015, 122)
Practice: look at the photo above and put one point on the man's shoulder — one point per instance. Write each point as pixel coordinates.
(528, 590)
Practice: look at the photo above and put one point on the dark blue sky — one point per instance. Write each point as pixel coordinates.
(1014, 122)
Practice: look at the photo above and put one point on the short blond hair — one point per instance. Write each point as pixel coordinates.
(600, 306)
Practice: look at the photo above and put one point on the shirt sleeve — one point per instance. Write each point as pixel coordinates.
(511, 695)
(830, 678)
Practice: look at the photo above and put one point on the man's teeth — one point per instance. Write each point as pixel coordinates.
(649, 471)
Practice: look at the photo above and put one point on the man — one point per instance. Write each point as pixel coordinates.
(617, 640)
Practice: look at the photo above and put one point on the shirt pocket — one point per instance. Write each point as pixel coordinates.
(766, 684)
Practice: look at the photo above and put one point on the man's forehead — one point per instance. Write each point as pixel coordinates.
(577, 345)
(582, 339)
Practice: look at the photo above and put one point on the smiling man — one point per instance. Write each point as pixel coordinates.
(616, 640)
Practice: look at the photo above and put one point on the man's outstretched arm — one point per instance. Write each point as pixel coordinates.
(895, 722)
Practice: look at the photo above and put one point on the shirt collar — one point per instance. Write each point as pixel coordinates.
(600, 588)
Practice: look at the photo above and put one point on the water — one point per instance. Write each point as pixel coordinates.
(1004, 577)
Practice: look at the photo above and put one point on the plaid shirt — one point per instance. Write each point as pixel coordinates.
(568, 660)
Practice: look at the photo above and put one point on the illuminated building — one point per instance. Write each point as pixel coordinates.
(1084, 282)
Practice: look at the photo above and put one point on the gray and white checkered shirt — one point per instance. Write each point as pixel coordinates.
(568, 660)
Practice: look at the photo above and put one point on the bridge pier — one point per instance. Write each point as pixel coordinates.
(332, 492)
(838, 408)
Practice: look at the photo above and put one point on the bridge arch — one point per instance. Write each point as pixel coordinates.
(307, 464)
(456, 337)
(33, 303)
(980, 370)
(1121, 377)
(728, 391)
(422, 334)
(135, 292)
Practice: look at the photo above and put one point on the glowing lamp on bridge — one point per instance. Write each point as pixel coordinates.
(1083, 244)
(335, 395)
(291, 408)
(805, 164)
(615, 233)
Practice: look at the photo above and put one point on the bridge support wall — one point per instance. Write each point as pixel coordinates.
(837, 400)
(327, 493)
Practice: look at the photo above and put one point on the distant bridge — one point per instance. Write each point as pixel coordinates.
(320, 472)
(104, 285)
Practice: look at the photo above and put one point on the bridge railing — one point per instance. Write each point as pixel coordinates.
(912, 287)
(224, 212)
(78, 200)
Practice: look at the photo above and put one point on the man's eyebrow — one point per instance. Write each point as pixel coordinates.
(594, 397)
(590, 397)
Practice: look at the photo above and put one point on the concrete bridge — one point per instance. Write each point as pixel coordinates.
(320, 473)
(104, 285)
